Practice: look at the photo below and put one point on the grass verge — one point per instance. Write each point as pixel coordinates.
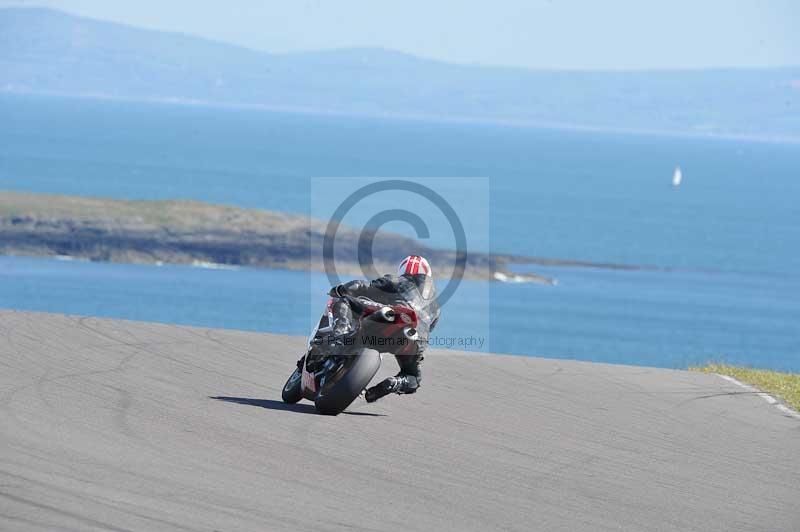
(783, 385)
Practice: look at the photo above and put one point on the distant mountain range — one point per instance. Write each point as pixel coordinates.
(46, 51)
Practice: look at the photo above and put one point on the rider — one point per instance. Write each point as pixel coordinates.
(412, 287)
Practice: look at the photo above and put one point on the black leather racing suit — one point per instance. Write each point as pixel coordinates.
(415, 291)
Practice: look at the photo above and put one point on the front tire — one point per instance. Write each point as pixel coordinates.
(291, 390)
(334, 397)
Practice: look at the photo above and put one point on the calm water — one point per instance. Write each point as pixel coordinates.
(651, 318)
(730, 235)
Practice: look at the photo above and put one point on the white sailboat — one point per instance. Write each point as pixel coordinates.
(677, 177)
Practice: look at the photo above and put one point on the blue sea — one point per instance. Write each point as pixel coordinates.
(722, 251)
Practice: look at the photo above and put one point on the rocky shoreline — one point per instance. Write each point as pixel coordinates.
(191, 232)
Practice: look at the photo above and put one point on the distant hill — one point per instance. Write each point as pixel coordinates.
(46, 51)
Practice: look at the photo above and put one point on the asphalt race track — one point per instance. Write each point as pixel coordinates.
(114, 425)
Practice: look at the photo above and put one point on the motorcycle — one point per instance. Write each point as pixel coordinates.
(333, 374)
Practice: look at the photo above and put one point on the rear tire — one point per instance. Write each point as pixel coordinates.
(334, 397)
(291, 390)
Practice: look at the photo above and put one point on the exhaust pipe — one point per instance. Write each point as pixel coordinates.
(411, 333)
(387, 314)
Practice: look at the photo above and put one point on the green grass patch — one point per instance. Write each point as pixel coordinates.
(783, 385)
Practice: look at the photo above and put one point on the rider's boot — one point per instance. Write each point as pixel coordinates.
(398, 384)
(385, 387)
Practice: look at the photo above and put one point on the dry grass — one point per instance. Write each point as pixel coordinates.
(174, 214)
(783, 385)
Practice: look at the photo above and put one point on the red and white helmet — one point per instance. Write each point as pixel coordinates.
(414, 265)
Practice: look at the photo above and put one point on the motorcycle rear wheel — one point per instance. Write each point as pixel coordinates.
(335, 396)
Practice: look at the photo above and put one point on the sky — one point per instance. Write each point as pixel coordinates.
(554, 34)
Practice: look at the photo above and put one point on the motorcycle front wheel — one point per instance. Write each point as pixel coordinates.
(291, 390)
